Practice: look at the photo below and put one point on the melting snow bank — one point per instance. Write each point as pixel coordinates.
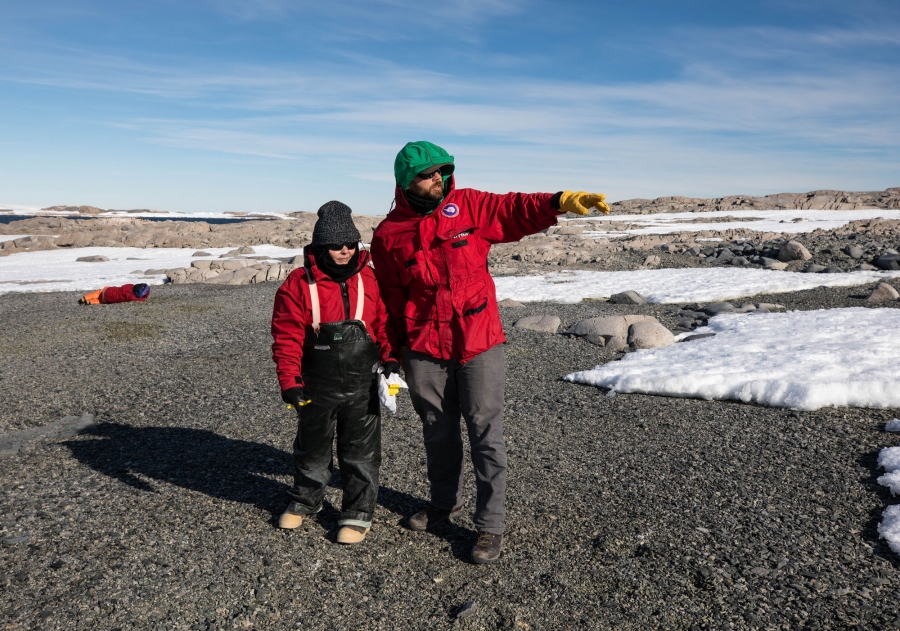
(800, 359)
(889, 528)
(672, 285)
(58, 270)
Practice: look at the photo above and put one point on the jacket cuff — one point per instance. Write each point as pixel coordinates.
(554, 201)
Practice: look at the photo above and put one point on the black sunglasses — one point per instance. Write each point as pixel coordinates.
(350, 245)
(430, 176)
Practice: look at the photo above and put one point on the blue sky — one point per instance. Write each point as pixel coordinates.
(274, 105)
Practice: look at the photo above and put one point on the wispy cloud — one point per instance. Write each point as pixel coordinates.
(746, 104)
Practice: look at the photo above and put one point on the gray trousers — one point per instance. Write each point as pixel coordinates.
(441, 392)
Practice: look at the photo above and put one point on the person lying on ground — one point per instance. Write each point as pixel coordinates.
(430, 255)
(331, 335)
(112, 295)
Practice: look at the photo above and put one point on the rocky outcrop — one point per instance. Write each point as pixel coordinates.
(814, 200)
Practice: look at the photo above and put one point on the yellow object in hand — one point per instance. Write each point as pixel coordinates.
(301, 404)
(393, 389)
(579, 202)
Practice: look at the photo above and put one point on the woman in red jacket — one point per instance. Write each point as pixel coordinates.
(330, 337)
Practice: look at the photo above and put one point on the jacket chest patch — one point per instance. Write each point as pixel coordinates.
(450, 210)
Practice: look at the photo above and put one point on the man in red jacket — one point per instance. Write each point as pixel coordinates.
(430, 256)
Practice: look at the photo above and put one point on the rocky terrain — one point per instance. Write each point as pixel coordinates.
(632, 512)
(818, 200)
(145, 455)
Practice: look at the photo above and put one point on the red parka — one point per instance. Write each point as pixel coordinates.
(124, 293)
(292, 314)
(433, 268)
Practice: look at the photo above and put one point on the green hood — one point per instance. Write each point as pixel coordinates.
(419, 156)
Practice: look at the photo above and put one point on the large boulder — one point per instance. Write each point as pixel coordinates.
(883, 293)
(608, 331)
(629, 297)
(888, 261)
(649, 334)
(542, 324)
(793, 251)
(509, 302)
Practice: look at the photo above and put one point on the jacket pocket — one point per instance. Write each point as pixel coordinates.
(471, 299)
(413, 269)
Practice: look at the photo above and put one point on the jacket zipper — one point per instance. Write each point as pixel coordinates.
(345, 294)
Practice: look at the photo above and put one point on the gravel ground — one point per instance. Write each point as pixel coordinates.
(633, 512)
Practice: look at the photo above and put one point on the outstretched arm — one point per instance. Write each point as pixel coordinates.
(507, 218)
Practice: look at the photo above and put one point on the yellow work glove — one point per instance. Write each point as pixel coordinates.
(580, 202)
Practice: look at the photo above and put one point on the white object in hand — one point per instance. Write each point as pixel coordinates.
(388, 389)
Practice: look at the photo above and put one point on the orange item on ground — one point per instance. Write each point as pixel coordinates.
(92, 298)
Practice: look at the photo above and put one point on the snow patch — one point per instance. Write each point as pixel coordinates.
(672, 285)
(801, 359)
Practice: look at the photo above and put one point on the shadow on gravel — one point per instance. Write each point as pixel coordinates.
(194, 459)
(226, 468)
(869, 462)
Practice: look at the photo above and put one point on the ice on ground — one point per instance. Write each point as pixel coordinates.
(893, 425)
(889, 528)
(57, 270)
(800, 359)
(673, 285)
(889, 459)
(12, 237)
(786, 221)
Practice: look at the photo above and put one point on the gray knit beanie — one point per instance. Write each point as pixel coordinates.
(334, 225)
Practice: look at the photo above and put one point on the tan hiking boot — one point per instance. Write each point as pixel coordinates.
(289, 520)
(351, 534)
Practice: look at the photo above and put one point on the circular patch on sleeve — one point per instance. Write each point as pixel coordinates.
(450, 210)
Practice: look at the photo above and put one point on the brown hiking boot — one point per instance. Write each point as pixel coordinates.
(487, 548)
(431, 517)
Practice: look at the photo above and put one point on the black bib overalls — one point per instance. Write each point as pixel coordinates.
(339, 367)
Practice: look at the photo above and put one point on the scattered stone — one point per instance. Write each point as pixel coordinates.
(697, 336)
(793, 251)
(854, 251)
(509, 303)
(92, 259)
(650, 261)
(867, 267)
(888, 261)
(814, 268)
(883, 293)
(467, 609)
(629, 297)
(9, 542)
(832, 269)
(542, 324)
(201, 253)
(715, 308)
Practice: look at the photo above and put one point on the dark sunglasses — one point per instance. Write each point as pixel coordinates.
(429, 176)
(350, 245)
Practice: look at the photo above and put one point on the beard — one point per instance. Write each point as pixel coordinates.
(436, 191)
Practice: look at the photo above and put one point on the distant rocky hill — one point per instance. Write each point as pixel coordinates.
(814, 200)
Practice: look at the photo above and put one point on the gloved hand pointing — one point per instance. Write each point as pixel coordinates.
(580, 202)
